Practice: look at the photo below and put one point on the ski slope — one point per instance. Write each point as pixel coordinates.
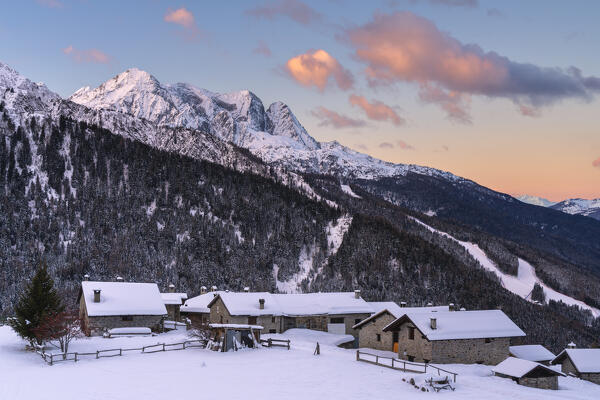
(526, 278)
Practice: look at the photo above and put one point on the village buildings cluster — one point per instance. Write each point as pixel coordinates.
(428, 334)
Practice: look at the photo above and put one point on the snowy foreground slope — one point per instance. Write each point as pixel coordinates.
(251, 374)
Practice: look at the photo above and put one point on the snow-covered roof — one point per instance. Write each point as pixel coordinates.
(199, 304)
(123, 298)
(398, 311)
(587, 361)
(173, 298)
(518, 368)
(461, 324)
(294, 304)
(382, 307)
(532, 352)
(235, 326)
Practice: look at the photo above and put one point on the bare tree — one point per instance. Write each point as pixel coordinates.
(60, 329)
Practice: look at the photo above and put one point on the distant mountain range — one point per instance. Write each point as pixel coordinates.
(585, 207)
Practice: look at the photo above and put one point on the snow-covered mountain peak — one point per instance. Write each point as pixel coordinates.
(535, 200)
(587, 207)
(285, 123)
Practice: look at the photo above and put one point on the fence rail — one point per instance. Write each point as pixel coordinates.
(275, 343)
(400, 365)
(53, 358)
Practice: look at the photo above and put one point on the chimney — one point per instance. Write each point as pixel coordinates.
(571, 345)
(213, 288)
(451, 307)
(433, 323)
(96, 295)
(357, 294)
(202, 289)
(119, 279)
(247, 289)
(402, 304)
(86, 277)
(171, 288)
(261, 304)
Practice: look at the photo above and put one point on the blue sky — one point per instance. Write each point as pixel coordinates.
(550, 154)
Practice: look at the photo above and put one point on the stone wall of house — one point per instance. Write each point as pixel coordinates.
(547, 382)
(98, 325)
(350, 320)
(471, 351)
(173, 313)
(567, 367)
(418, 349)
(197, 319)
(595, 378)
(367, 334)
(219, 314)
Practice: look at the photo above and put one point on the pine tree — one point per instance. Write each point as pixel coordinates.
(39, 301)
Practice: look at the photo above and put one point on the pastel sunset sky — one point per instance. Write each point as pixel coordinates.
(502, 92)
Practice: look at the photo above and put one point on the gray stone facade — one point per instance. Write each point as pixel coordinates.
(490, 351)
(173, 313)
(547, 382)
(97, 325)
(370, 335)
(219, 314)
(568, 368)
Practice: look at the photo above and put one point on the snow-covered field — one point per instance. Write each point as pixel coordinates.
(265, 373)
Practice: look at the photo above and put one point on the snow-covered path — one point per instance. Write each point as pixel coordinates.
(526, 278)
(275, 373)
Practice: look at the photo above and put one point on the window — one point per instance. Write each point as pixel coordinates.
(357, 320)
(251, 320)
(272, 331)
(127, 318)
(426, 361)
(273, 319)
(411, 333)
(411, 358)
(488, 340)
(378, 337)
(336, 320)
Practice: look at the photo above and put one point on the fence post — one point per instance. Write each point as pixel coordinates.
(97, 354)
(357, 355)
(377, 360)
(51, 358)
(288, 344)
(75, 356)
(163, 347)
(392, 363)
(120, 352)
(404, 366)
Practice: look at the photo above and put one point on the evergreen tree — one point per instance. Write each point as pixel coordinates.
(39, 301)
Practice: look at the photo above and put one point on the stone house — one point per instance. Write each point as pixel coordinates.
(370, 330)
(196, 308)
(458, 337)
(582, 363)
(173, 302)
(532, 352)
(330, 312)
(107, 305)
(528, 373)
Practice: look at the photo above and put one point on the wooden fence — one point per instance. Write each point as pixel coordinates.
(401, 365)
(275, 343)
(52, 358)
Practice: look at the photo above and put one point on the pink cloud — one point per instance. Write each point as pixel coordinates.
(87, 56)
(386, 145)
(596, 162)
(331, 118)
(377, 110)
(185, 19)
(528, 111)
(262, 49)
(317, 68)
(455, 104)
(403, 47)
(293, 9)
(403, 145)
